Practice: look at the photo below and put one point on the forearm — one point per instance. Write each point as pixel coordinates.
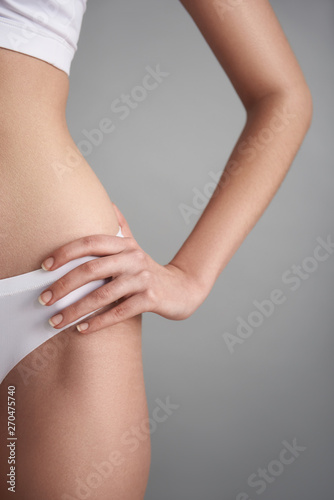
(274, 130)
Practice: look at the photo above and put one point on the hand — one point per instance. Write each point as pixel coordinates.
(139, 283)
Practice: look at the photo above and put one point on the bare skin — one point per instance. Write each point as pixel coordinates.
(249, 43)
(74, 407)
(253, 50)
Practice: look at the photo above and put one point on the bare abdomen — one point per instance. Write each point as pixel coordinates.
(78, 397)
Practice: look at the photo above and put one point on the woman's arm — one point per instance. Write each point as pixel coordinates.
(251, 47)
(249, 43)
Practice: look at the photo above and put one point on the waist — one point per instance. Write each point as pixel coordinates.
(30, 85)
(49, 195)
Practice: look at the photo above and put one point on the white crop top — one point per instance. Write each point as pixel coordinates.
(46, 29)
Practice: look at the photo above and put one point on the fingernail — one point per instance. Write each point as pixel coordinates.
(48, 263)
(45, 297)
(82, 327)
(55, 320)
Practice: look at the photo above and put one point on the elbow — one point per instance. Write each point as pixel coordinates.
(297, 99)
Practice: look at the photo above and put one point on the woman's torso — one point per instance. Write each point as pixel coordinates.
(46, 184)
(91, 391)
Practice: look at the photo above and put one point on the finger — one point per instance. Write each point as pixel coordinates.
(122, 222)
(104, 295)
(128, 262)
(95, 269)
(134, 305)
(95, 244)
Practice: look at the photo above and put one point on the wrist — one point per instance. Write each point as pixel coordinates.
(198, 287)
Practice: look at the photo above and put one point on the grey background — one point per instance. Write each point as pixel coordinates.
(234, 409)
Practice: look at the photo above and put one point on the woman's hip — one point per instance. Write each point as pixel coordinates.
(49, 199)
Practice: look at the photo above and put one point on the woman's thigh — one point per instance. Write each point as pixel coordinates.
(81, 417)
